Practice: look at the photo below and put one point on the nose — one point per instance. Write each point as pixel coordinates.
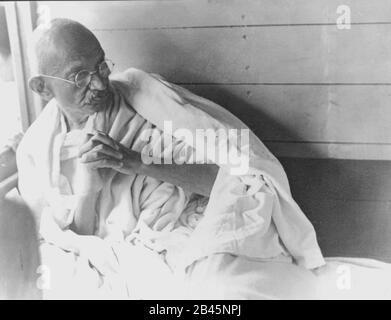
(97, 83)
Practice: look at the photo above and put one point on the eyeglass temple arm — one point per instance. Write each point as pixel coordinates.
(52, 77)
(72, 82)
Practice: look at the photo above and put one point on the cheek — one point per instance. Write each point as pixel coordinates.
(70, 96)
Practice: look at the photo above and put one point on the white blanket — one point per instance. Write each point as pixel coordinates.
(250, 215)
(218, 276)
(229, 277)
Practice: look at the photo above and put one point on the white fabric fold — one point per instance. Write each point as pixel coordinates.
(251, 214)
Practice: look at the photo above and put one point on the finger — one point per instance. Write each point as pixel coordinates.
(96, 138)
(104, 138)
(87, 137)
(99, 152)
(106, 163)
(88, 145)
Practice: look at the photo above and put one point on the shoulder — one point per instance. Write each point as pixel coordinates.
(137, 81)
(40, 127)
(130, 76)
(137, 75)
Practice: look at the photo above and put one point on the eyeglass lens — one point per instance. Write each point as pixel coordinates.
(83, 78)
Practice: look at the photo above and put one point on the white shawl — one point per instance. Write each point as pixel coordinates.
(240, 218)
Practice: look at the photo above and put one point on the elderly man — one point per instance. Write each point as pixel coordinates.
(118, 217)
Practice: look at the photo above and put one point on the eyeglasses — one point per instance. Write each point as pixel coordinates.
(83, 78)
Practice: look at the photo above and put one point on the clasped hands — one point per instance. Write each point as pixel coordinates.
(101, 151)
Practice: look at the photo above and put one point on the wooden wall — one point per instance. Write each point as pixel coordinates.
(305, 87)
(308, 90)
(347, 201)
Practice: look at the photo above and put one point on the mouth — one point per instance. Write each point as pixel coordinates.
(98, 99)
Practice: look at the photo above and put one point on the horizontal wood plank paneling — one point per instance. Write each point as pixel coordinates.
(306, 88)
(279, 113)
(348, 202)
(351, 228)
(352, 180)
(318, 54)
(205, 13)
(334, 150)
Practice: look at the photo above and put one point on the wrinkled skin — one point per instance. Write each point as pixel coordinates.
(62, 53)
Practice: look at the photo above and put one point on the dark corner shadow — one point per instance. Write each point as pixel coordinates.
(19, 255)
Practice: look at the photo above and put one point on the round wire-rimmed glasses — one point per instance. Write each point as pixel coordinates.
(84, 77)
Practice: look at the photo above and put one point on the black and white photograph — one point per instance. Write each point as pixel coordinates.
(195, 150)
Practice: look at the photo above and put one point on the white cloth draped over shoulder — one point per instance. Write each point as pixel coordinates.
(251, 214)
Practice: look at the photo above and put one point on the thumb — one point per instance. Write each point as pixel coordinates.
(87, 136)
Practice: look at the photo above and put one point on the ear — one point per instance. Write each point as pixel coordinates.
(39, 85)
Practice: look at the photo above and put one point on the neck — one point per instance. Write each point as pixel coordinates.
(74, 123)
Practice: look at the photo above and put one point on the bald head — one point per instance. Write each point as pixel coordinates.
(63, 41)
(64, 48)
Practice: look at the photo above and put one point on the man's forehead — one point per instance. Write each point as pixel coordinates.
(67, 44)
(71, 66)
(77, 62)
(71, 50)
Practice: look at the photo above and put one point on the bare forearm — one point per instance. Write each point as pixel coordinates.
(197, 178)
(104, 152)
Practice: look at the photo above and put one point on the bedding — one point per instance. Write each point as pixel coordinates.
(250, 216)
(218, 276)
(230, 277)
(65, 276)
